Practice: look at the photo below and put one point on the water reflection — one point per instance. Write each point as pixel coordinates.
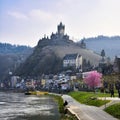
(17, 106)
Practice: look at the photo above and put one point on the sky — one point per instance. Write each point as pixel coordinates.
(25, 22)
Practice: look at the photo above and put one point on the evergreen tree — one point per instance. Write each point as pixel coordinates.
(103, 53)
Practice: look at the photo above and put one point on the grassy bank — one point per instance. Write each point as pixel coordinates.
(60, 102)
(114, 110)
(89, 98)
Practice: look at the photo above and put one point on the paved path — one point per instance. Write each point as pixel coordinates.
(114, 100)
(85, 112)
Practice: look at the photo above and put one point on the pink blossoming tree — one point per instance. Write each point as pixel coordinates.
(93, 79)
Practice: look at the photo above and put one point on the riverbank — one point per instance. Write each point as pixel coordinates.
(75, 110)
(65, 113)
(86, 112)
(12, 90)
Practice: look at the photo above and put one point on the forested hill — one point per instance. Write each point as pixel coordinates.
(47, 57)
(6, 48)
(111, 45)
(11, 56)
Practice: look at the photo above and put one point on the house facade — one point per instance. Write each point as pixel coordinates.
(72, 60)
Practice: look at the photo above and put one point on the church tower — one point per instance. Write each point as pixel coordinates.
(61, 29)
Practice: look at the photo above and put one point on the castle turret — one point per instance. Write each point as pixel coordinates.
(61, 29)
(60, 34)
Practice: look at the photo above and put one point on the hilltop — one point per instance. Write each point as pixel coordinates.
(111, 45)
(49, 52)
(6, 48)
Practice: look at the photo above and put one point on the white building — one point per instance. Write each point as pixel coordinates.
(72, 60)
(14, 80)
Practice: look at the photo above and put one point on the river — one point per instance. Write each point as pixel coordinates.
(17, 106)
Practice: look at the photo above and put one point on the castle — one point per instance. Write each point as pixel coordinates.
(59, 35)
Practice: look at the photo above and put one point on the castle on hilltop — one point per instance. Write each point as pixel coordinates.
(59, 35)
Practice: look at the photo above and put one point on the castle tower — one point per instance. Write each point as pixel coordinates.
(61, 29)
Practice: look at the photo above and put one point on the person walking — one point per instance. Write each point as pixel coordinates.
(112, 92)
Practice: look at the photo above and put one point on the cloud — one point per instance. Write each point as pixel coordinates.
(17, 15)
(39, 14)
(36, 15)
(82, 18)
(45, 17)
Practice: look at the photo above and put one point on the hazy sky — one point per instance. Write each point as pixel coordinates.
(24, 22)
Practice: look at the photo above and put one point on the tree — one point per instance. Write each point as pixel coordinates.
(103, 53)
(93, 79)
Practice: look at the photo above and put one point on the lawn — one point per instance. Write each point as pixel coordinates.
(89, 98)
(114, 110)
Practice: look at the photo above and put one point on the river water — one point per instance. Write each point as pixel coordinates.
(17, 106)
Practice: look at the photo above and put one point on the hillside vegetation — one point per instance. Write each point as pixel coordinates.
(48, 55)
(6, 48)
(111, 45)
(11, 56)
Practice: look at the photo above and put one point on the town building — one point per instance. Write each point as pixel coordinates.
(14, 81)
(73, 60)
(116, 65)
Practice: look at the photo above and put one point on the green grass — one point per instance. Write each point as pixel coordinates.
(89, 98)
(60, 102)
(114, 110)
(69, 117)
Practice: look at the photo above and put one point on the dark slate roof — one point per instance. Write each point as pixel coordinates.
(70, 56)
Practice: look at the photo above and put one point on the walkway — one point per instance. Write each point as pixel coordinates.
(85, 112)
(114, 100)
